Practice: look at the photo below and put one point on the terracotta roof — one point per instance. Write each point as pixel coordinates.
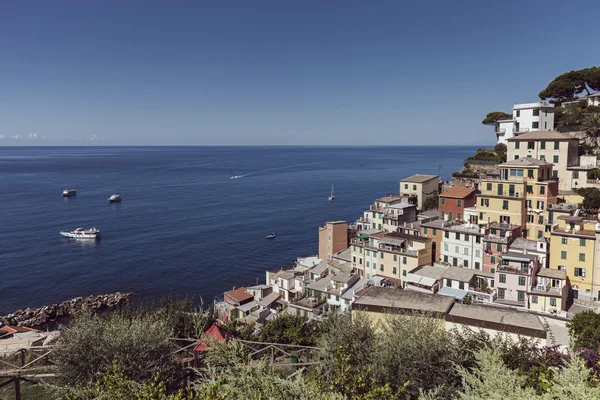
(214, 332)
(542, 135)
(458, 192)
(239, 294)
(8, 329)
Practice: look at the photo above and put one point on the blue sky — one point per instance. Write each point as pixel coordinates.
(279, 72)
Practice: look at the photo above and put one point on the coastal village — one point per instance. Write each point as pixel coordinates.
(503, 247)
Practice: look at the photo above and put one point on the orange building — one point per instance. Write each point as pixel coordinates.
(333, 237)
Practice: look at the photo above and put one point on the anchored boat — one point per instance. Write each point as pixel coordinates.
(115, 198)
(69, 192)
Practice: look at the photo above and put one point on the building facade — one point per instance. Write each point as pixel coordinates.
(421, 185)
(333, 237)
(452, 203)
(526, 117)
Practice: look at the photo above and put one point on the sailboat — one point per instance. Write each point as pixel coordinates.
(332, 195)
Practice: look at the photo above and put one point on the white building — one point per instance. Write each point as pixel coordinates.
(462, 246)
(526, 117)
(592, 100)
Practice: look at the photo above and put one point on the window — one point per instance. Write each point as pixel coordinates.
(580, 272)
(477, 265)
(502, 278)
(505, 204)
(528, 203)
(562, 268)
(555, 174)
(459, 203)
(540, 205)
(555, 159)
(530, 187)
(540, 234)
(403, 272)
(466, 263)
(530, 173)
(360, 250)
(360, 261)
(445, 259)
(563, 255)
(414, 187)
(447, 235)
(434, 232)
(367, 252)
(542, 145)
(481, 216)
(406, 186)
(582, 242)
(353, 248)
(518, 114)
(456, 249)
(535, 125)
(403, 260)
(541, 220)
(542, 189)
(381, 254)
(489, 186)
(553, 302)
(394, 270)
(381, 267)
(517, 145)
(493, 260)
(478, 239)
(498, 246)
(443, 201)
(575, 174)
(556, 145)
(395, 257)
(536, 113)
(530, 145)
(493, 270)
(520, 295)
(457, 236)
(516, 156)
(521, 281)
(530, 219)
(501, 293)
(443, 215)
(542, 157)
(368, 264)
(466, 237)
(445, 246)
(461, 285)
(534, 299)
(449, 282)
(582, 257)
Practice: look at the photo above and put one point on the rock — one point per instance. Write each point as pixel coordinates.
(49, 317)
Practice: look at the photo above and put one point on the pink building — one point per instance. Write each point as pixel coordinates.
(514, 276)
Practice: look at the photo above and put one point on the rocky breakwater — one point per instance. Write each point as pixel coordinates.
(50, 317)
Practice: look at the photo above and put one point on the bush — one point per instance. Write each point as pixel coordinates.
(139, 344)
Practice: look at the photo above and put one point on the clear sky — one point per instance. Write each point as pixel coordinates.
(280, 72)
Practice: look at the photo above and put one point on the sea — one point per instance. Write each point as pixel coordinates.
(184, 227)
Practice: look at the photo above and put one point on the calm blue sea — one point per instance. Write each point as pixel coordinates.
(184, 227)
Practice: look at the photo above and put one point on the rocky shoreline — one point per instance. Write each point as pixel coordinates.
(50, 317)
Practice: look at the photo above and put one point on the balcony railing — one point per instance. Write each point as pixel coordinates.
(376, 209)
(500, 132)
(521, 130)
(516, 270)
(496, 238)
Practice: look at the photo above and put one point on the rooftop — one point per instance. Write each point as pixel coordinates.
(419, 178)
(542, 135)
(407, 237)
(359, 285)
(240, 295)
(485, 316)
(319, 268)
(429, 213)
(522, 243)
(402, 204)
(380, 299)
(552, 273)
(308, 262)
(342, 277)
(458, 192)
(345, 255)
(512, 255)
(435, 223)
(525, 162)
(320, 285)
(389, 199)
(269, 299)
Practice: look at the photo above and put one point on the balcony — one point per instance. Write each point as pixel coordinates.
(496, 238)
(500, 132)
(513, 269)
(376, 209)
(520, 130)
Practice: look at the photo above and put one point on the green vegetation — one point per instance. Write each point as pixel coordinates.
(129, 355)
(493, 117)
(591, 199)
(572, 83)
(497, 155)
(431, 202)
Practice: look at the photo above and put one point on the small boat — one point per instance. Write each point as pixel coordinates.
(236, 176)
(69, 192)
(271, 236)
(81, 233)
(332, 195)
(115, 198)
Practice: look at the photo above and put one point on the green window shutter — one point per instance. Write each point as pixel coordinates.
(563, 255)
(582, 257)
(521, 281)
(502, 278)
(520, 296)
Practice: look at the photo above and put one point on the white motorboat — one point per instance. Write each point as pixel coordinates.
(81, 233)
(236, 176)
(271, 236)
(115, 198)
(69, 192)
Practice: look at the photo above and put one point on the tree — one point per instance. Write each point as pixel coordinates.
(570, 84)
(290, 329)
(493, 117)
(501, 150)
(591, 198)
(139, 344)
(584, 329)
(591, 125)
(431, 202)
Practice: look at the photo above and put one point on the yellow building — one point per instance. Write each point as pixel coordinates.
(421, 185)
(521, 195)
(573, 248)
(549, 291)
(390, 256)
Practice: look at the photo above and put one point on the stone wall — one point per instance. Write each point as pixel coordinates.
(50, 317)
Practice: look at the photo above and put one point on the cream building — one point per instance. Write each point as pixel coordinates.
(554, 147)
(421, 185)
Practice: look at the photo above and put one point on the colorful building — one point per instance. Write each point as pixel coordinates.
(333, 237)
(514, 276)
(452, 203)
(498, 238)
(421, 185)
